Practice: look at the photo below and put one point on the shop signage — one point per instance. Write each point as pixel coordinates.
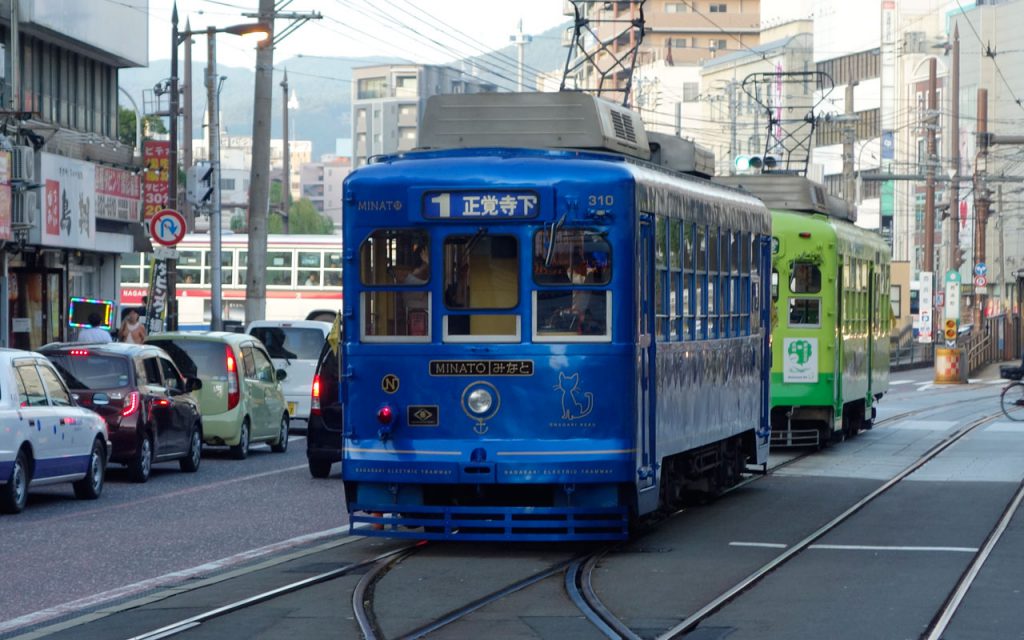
(6, 233)
(156, 158)
(69, 199)
(118, 194)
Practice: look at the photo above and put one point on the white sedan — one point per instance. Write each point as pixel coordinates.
(45, 438)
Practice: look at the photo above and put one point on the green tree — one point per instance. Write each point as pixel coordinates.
(238, 223)
(126, 126)
(303, 218)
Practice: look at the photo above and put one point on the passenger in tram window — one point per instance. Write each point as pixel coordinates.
(311, 280)
(420, 274)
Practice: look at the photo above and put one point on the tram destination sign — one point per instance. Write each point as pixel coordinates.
(481, 367)
(495, 205)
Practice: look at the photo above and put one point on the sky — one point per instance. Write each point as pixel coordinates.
(425, 31)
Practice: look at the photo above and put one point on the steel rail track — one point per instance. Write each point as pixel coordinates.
(942, 619)
(691, 622)
(196, 620)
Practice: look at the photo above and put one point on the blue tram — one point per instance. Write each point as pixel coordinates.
(546, 334)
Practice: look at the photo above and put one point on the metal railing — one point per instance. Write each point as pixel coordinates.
(906, 353)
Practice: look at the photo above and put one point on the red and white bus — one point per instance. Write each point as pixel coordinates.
(303, 275)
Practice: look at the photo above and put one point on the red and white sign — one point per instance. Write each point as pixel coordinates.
(118, 194)
(156, 158)
(980, 281)
(69, 196)
(167, 227)
(5, 196)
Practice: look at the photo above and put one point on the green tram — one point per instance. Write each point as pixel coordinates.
(831, 316)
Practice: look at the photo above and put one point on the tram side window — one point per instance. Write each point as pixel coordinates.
(481, 272)
(279, 268)
(661, 278)
(578, 262)
(676, 271)
(689, 297)
(399, 260)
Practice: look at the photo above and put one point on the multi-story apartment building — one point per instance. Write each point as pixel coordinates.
(70, 193)
(388, 101)
(681, 32)
(320, 182)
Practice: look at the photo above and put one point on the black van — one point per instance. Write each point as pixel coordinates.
(323, 435)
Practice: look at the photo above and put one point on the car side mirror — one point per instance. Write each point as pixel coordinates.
(193, 384)
(281, 374)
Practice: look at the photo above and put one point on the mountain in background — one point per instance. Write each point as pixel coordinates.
(323, 87)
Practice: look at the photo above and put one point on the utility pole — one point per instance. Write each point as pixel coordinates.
(980, 199)
(186, 124)
(213, 108)
(171, 300)
(259, 176)
(286, 184)
(954, 139)
(1001, 283)
(849, 138)
(520, 39)
(929, 190)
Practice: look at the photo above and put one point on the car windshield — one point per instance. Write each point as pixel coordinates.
(197, 359)
(293, 343)
(87, 371)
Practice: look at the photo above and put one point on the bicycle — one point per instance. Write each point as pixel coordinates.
(1011, 400)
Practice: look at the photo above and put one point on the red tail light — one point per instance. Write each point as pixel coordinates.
(385, 415)
(233, 392)
(162, 402)
(314, 404)
(131, 404)
(79, 352)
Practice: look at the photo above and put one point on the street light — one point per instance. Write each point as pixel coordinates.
(259, 31)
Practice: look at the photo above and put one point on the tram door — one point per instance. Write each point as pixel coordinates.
(646, 464)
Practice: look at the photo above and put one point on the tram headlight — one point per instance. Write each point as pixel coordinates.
(480, 401)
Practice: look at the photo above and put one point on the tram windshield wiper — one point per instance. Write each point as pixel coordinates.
(549, 248)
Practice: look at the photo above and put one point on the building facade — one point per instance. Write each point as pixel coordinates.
(321, 184)
(388, 101)
(70, 193)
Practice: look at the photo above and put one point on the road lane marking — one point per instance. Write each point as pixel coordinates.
(765, 545)
(168, 579)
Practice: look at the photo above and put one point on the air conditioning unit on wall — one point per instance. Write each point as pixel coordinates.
(23, 164)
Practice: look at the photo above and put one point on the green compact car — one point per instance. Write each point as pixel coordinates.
(241, 399)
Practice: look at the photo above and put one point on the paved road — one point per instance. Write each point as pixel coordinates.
(60, 550)
(866, 581)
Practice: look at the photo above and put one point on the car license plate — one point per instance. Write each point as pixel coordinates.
(291, 408)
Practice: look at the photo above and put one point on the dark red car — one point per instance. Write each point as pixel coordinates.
(147, 403)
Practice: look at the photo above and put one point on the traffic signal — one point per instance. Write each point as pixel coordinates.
(199, 183)
(959, 258)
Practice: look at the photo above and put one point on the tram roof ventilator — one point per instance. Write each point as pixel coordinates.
(792, 192)
(564, 120)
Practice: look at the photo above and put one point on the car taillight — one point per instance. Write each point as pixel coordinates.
(131, 404)
(79, 352)
(314, 404)
(233, 394)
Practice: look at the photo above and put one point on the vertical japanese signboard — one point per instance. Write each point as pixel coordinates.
(156, 158)
(925, 318)
(5, 196)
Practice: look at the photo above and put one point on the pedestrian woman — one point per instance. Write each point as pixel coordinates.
(132, 330)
